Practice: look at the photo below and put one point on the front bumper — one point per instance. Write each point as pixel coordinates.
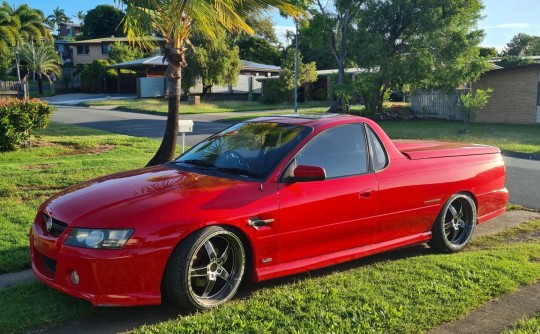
(125, 277)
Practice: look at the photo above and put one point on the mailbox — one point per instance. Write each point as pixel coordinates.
(185, 125)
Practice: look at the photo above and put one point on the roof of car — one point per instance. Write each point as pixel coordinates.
(311, 119)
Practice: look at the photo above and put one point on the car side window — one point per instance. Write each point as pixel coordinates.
(378, 154)
(340, 151)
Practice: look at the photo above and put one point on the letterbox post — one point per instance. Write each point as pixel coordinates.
(184, 126)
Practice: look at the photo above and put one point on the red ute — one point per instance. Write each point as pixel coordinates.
(262, 199)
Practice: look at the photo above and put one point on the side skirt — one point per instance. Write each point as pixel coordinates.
(299, 266)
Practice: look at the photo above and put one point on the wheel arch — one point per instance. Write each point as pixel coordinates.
(246, 243)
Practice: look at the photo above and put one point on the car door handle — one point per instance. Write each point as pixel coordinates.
(365, 194)
(257, 222)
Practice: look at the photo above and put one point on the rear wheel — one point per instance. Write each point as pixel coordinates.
(455, 224)
(205, 269)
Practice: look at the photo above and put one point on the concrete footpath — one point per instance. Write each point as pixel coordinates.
(492, 317)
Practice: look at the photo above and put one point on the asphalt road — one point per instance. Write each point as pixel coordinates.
(523, 176)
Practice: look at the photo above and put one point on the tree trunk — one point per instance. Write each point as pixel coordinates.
(40, 84)
(166, 151)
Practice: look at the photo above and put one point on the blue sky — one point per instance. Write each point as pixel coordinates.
(503, 18)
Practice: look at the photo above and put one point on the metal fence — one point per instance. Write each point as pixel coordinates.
(438, 104)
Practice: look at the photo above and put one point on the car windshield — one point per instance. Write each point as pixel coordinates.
(250, 149)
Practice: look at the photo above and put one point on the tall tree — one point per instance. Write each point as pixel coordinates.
(259, 50)
(214, 62)
(80, 16)
(121, 52)
(31, 24)
(42, 60)
(9, 27)
(337, 19)
(428, 44)
(263, 27)
(58, 16)
(174, 20)
(314, 40)
(523, 45)
(103, 21)
(19, 24)
(489, 52)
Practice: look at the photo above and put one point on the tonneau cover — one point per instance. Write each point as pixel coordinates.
(419, 149)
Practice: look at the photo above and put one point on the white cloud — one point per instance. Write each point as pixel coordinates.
(513, 25)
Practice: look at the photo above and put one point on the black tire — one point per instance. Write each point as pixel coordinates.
(454, 227)
(205, 269)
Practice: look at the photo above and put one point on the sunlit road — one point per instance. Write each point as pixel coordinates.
(523, 179)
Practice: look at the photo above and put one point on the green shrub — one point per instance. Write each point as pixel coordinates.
(18, 118)
(97, 77)
(274, 92)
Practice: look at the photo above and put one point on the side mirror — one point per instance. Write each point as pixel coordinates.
(303, 173)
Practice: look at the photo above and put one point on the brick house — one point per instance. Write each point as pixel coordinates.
(69, 29)
(515, 97)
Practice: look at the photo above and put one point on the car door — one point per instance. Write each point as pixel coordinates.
(338, 213)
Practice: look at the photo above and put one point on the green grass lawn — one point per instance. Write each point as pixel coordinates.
(159, 106)
(64, 155)
(526, 326)
(405, 291)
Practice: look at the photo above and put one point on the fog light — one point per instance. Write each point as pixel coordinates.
(75, 277)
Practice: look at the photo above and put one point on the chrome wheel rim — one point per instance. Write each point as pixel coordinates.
(458, 222)
(216, 269)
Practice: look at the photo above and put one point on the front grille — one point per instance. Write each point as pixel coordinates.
(57, 226)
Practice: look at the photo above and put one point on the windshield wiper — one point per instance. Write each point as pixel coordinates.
(239, 171)
(196, 162)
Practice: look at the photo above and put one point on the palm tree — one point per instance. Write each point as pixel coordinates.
(58, 16)
(9, 27)
(80, 16)
(175, 20)
(42, 60)
(31, 24)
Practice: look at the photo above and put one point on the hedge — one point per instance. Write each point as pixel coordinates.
(18, 118)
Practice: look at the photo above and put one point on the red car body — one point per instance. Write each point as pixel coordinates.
(315, 224)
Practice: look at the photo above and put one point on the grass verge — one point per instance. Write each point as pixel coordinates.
(159, 106)
(63, 156)
(526, 326)
(406, 292)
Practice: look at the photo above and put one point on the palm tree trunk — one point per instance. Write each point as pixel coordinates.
(40, 84)
(166, 151)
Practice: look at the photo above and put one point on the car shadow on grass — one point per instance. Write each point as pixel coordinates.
(115, 320)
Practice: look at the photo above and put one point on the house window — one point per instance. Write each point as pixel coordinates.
(105, 48)
(83, 49)
(538, 95)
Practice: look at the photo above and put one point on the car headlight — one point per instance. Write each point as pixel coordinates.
(98, 238)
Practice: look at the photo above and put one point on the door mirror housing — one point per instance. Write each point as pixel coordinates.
(303, 173)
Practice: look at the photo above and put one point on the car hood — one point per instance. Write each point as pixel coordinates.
(103, 201)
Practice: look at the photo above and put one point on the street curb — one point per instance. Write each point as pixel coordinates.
(519, 155)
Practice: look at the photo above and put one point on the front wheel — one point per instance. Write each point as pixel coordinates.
(455, 224)
(205, 269)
